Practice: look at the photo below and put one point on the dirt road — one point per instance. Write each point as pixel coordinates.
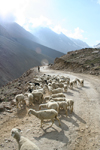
(79, 131)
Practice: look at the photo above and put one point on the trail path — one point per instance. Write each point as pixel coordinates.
(79, 131)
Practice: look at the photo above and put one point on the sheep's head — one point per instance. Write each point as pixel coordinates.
(15, 131)
(30, 111)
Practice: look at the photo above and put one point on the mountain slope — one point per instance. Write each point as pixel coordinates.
(97, 46)
(17, 31)
(85, 61)
(30, 41)
(16, 58)
(56, 41)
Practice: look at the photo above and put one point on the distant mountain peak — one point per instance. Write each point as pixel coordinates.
(97, 46)
(60, 42)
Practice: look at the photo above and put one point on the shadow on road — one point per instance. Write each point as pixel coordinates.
(87, 87)
(79, 118)
(54, 135)
(69, 119)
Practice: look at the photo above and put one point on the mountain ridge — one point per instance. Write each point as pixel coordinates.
(59, 42)
(16, 58)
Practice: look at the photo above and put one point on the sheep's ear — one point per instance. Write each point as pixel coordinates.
(19, 130)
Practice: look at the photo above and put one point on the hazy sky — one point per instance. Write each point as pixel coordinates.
(79, 19)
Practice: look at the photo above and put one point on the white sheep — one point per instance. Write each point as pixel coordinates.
(70, 103)
(37, 96)
(54, 85)
(58, 95)
(50, 105)
(42, 89)
(81, 82)
(68, 82)
(45, 114)
(20, 100)
(46, 98)
(58, 90)
(64, 105)
(30, 98)
(23, 142)
(58, 99)
(65, 87)
(61, 85)
(38, 90)
(71, 84)
(75, 82)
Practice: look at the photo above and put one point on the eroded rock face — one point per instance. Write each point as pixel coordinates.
(80, 61)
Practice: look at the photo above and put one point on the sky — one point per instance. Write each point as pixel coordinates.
(79, 19)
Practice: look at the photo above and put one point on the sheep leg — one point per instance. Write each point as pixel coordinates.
(52, 122)
(66, 113)
(41, 123)
(17, 104)
(65, 108)
(58, 120)
(71, 109)
(30, 103)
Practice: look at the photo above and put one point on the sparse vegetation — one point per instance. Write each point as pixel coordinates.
(85, 60)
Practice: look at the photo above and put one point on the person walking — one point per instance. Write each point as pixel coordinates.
(38, 68)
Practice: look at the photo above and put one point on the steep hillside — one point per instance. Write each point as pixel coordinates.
(56, 41)
(16, 59)
(16, 31)
(97, 46)
(18, 54)
(85, 61)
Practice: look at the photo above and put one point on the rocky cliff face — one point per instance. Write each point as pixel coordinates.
(82, 61)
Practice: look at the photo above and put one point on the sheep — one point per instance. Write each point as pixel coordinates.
(45, 114)
(61, 85)
(54, 85)
(75, 82)
(37, 96)
(46, 98)
(31, 88)
(58, 90)
(71, 84)
(58, 99)
(30, 98)
(20, 101)
(68, 82)
(81, 82)
(38, 90)
(58, 95)
(49, 84)
(65, 88)
(50, 105)
(23, 142)
(36, 84)
(30, 84)
(64, 105)
(70, 103)
(57, 85)
(62, 80)
(43, 90)
(67, 78)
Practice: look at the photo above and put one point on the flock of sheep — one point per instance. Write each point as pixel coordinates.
(55, 87)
